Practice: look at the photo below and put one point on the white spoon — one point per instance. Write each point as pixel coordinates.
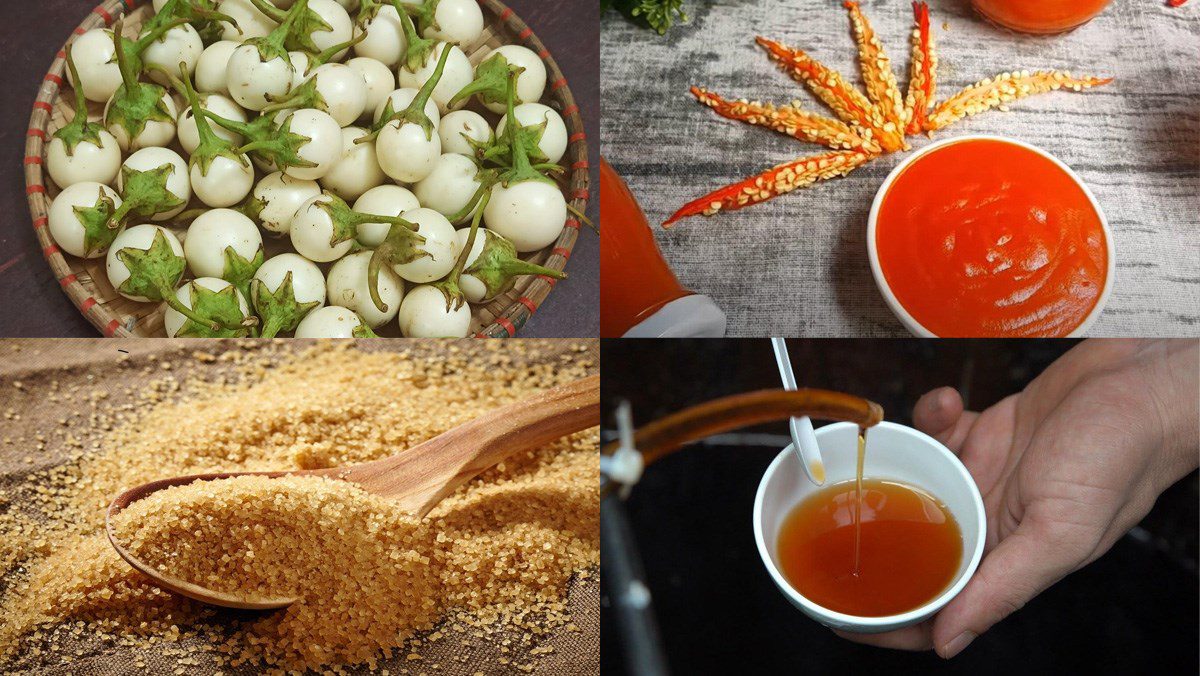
(804, 438)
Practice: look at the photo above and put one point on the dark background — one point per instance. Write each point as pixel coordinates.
(31, 302)
(1132, 611)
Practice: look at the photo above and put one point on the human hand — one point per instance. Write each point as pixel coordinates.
(1066, 467)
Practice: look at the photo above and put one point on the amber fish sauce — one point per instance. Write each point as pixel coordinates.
(892, 551)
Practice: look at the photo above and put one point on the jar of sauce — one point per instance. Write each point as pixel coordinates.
(1040, 16)
(639, 295)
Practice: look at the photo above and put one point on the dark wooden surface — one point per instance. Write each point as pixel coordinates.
(31, 302)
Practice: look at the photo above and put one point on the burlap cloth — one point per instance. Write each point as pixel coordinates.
(797, 265)
(113, 365)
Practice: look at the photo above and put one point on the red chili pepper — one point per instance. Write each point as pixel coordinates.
(1175, 3)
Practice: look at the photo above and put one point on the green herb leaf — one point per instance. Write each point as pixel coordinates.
(657, 14)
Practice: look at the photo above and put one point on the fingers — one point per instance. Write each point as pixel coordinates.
(1019, 568)
(939, 413)
(916, 637)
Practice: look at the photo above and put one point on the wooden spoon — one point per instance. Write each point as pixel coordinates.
(417, 478)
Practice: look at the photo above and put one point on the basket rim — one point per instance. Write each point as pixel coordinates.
(505, 324)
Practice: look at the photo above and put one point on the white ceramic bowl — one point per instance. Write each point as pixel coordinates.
(893, 452)
(893, 303)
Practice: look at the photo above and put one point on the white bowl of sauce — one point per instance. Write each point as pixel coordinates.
(979, 236)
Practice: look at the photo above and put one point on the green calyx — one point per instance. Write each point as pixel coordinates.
(417, 53)
(239, 271)
(424, 14)
(296, 25)
(415, 112)
(251, 208)
(79, 129)
(499, 149)
(274, 44)
(276, 145)
(135, 103)
(455, 298)
(346, 220)
(516, 150)
(145, 193)
(279, 310)
(211, 146)
(367, 11)
(498, 266)
(362, 330)
(153, 274)
(220, 314)
(490, 83)
(202, 14)
(97, 236)
(305, 96)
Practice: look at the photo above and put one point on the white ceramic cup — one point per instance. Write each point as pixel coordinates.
(893, 303)
(893, 452)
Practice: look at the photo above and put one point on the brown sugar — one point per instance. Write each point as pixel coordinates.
(492, 563)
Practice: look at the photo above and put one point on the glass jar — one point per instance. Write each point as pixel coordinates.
(639, 295)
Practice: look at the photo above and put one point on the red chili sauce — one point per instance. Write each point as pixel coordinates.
(1040, 16)
(988, 238)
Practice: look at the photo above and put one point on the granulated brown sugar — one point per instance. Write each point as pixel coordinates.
(488, 568)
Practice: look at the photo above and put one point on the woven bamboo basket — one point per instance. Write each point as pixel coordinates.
(86, 284)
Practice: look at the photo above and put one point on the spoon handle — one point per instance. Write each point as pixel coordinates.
(804, 438)
(422, 476)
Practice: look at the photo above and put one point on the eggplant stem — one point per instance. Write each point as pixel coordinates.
(484, 190)
(377, 259)
(518, 266)
(461, 263)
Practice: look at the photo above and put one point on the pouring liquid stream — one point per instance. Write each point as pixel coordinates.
(862, 454)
